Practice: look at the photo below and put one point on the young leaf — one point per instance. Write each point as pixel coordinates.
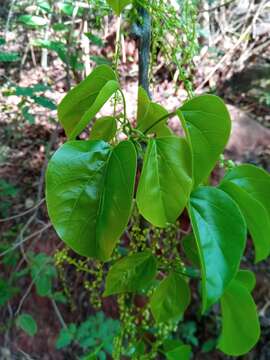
(118, 5)
(32, 20)
(45, 102)
(148, 113)
(165, 182)
(220, 234)
(170, 299)
(89, 192)
(82, 103)
(27, 324)
(104, 129)
(207, 125)
(249, 186)
(240, 324)
(131, 274)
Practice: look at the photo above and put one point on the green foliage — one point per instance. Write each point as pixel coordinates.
(170, 299)
(90, 191)
(175, 350)
(43, 272)
(131, 274)
(118, 5)
(104, 129)
(249, 187)
(166, 165)
(206, 128)
(6, 292)
(6, 56)
(30, 95)
(32, 20)
(27, 323)
(7, 191)
(83, 102)
(91, 201)
(96, 334)
(240, 324)
(220, 233)
(148, 113)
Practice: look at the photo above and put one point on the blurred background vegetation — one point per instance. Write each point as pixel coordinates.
(50, 299)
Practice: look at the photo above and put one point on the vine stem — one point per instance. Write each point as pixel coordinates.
(116, 56)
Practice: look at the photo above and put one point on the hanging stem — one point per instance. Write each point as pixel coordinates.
(144, 34)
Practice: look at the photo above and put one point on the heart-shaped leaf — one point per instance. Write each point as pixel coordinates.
(148, 113)
(249, 186)
(170, 299)
(220, 233)
(83, 102)
(104, 129)
(165, 182)
(240, 324)
(89, 192)
(131, 274)
(207, 125)
(118, 5)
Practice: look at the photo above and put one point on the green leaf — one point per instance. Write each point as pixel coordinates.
(206, 122)
(32, 20)
(66, 336)
(182, 352)
(66, 8)
(96, 40)
(104, 129)
(209, 345)
(27, 115)
(131, 274)
(240, 324)
(27, 324)
(118, 5)
(89, 192)
(60, 27)
(6, 292)
(249, 186)
(170, 299)
(9, 56)
(191, 249)
(2, 40)
(247, 278)
(83, 102)
(45, 6)
(42, 273)
(148, 113)
(165, 182)
(57, 46)
(45, 102)
(220, 233)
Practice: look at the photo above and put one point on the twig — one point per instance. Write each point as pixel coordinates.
(58, 314)
(24, 212)
(17, 244)
(231, 51)
(216, 7)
